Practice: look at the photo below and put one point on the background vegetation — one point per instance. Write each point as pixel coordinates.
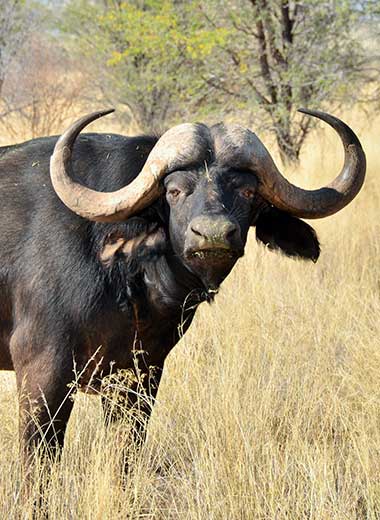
(165, 61)
(270, 405)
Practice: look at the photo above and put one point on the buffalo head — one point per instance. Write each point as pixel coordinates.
(215, 183)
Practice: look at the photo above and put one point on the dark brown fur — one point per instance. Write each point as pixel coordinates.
(82, 298)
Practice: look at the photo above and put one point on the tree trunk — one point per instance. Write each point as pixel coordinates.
(288, 146)
(2, 67)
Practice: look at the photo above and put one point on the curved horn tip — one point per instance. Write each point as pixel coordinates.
(346, 133)
(93, 116)
(323, 116)
(309, 112)
(105, 112)
(71, 133)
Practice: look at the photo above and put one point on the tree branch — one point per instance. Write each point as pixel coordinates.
(263, 56)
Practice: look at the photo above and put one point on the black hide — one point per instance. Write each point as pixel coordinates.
(89, 296)
(280, 231)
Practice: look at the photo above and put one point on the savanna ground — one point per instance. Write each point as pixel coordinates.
(269, 407)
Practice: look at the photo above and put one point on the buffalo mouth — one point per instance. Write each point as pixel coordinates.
(212, 264)
(214, 254)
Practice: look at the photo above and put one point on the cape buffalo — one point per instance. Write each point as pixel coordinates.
(109, 243)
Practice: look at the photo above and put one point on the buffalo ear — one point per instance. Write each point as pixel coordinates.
(280, 231)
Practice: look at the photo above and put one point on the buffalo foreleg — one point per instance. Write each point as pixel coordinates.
(43, 372)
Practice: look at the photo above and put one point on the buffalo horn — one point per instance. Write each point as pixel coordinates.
(178, 147)
(319, 203)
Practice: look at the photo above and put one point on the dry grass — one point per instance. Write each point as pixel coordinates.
(269, 407)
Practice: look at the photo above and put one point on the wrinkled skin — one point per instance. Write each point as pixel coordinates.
(82, 298)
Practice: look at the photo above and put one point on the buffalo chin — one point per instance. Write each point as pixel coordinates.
(212, 265)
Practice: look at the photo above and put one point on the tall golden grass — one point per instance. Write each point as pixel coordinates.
(269, 407)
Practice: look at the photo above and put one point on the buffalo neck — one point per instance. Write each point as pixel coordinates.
(172, 287)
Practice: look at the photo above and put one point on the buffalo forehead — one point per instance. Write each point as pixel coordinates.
(236, 146)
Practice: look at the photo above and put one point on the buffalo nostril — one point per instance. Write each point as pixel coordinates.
(196, 232)
(231, 232)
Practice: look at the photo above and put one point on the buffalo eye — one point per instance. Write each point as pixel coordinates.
(173, 193)
(247, 193)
